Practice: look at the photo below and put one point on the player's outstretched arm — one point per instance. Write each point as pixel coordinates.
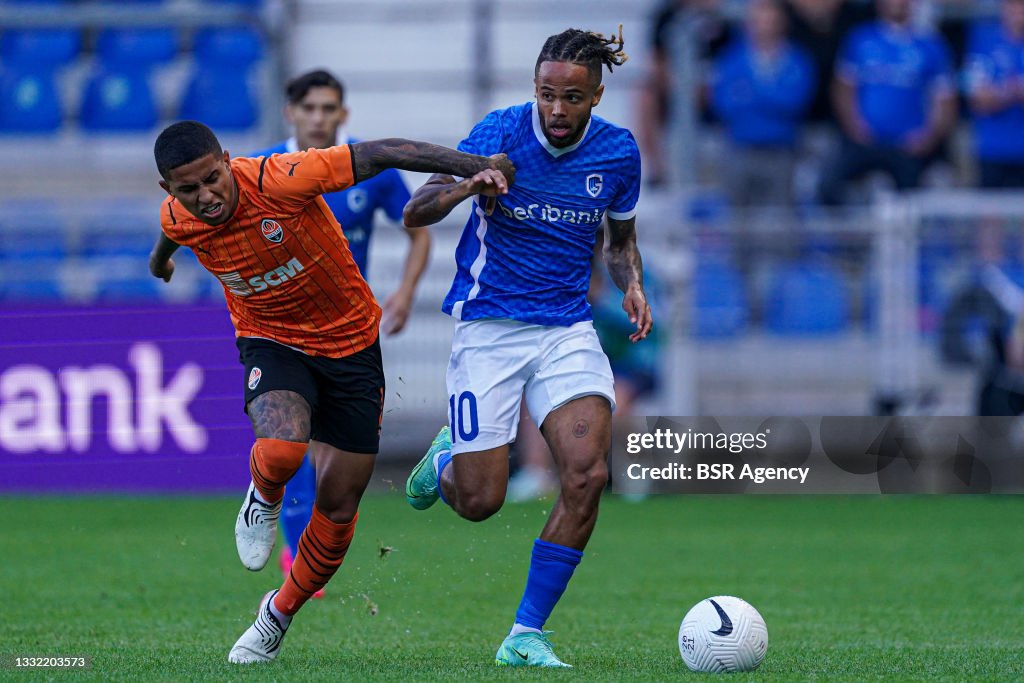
(161, 264)
(371, 157)
(622, 257)
(442, 193)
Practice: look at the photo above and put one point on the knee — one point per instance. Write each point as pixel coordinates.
(477, 507)
(341, 512)
(337, 506)
(585, 483)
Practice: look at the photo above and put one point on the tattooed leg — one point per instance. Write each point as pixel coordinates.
(579, 436)
(282, 415)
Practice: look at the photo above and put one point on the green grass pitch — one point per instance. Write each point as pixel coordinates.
(852, 588)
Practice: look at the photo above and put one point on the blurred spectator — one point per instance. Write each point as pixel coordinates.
(673, 21)
(760, 91)
(820, 26)
(894, 98)
(983, 328)
(994, 80)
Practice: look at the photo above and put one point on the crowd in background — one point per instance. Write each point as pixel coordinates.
(889, 83)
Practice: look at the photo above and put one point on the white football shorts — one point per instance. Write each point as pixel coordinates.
(494, 361)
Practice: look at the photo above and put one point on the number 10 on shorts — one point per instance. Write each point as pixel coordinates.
(462, 416)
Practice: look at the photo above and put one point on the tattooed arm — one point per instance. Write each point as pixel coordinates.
(622, 257)
(371, 157)
(442, 193)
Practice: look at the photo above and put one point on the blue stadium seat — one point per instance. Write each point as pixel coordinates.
(138, 288)
(234, 47)
(103, 243)
(23, 246)
(220, 98)
(245, 3)
(136, 48)
(30, 100)
(118, 100)
(807, 299)
(40, 48)
(721, 300)
(35, 285)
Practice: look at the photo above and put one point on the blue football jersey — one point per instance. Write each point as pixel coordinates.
(896, 73)
(529, 260)
(355, 207)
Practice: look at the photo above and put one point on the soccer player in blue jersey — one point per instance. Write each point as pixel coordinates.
(316, 109)
(520, 296)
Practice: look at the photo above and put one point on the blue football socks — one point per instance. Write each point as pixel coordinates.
(444, 458)
(298, 504)
(551, 567)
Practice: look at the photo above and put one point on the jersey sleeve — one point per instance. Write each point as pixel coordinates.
(395, 195)
(623, 207)
(486, 138)
(297, 178)
(171, 223)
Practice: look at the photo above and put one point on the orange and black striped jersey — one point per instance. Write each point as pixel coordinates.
(282, 258)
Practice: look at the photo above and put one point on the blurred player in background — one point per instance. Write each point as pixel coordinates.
(316, 109)
(307, 329)
(520, 296)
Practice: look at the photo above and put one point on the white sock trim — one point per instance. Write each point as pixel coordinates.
(284, 619)
(518, 628)
(259, 497)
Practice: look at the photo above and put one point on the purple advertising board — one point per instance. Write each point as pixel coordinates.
(126, 399)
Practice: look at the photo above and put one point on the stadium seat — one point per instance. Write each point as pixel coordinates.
(31, 103)
(31, 281)
(25, 246)
(721, 300)
(138, 288)
(220, 98)
(807, 299)
(118, 100)
(101, 243)
(40, 48)
(245, 3)
(136, 48)
(234, 47)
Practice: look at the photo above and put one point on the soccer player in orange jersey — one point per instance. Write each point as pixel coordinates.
(306, 325)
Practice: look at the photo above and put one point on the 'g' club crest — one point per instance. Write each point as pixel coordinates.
(272, 230)
(594, 184)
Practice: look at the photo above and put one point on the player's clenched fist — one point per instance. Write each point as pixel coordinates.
(489, 183)
(501, 162)
(161, 269)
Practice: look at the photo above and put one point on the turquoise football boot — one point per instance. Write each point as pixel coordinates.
(528, 649)
(421, 486)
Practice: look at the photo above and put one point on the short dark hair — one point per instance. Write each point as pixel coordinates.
(299, 87)
(586, 48)
(182, 143)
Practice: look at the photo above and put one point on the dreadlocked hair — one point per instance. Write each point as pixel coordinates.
(586, 48)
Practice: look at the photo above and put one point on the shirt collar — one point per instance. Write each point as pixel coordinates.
(538, 132)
